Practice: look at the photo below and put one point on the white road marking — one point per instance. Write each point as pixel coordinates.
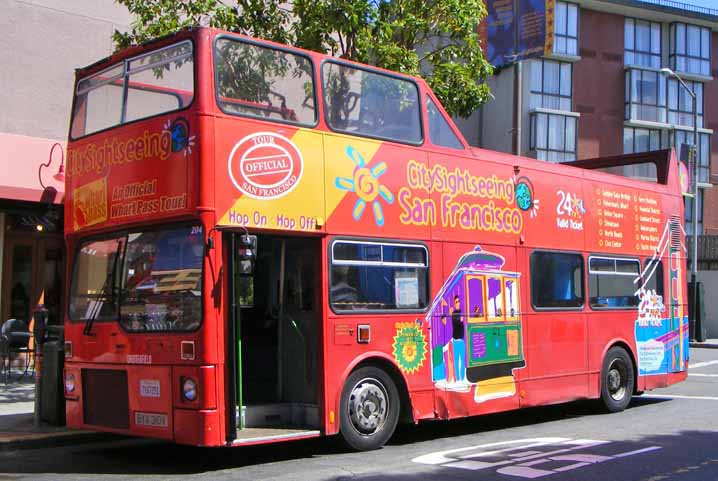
(679, 396)
(697, 374)
(519, 461)
(701, 364)
(637, 451)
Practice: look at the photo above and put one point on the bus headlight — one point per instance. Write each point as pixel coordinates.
(189, 389)
(69, 383)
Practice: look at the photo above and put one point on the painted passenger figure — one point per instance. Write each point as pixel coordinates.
(456, 345)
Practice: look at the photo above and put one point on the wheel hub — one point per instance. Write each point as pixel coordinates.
(367, 406)
(616, 380)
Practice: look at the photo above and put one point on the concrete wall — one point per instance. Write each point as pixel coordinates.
(42, 43)
(497, 113)
(470, 128)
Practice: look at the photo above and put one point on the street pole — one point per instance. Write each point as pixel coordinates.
(694, 215)
(694, 255)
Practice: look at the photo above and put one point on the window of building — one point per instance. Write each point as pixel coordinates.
(556, 280)
(553, 136)
(689, 214)
(378, 276)
(645, 95)
(690, 49)
(610, 282)
(440, 132)
(680, 103)
(551, 85)
(681, 137)
(642, 140)
(642, 43)
(566, 28)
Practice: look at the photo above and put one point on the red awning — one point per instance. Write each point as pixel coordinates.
(23, 173)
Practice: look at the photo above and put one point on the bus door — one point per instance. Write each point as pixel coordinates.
(276, 321)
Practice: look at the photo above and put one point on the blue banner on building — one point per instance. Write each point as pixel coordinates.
(518, 29)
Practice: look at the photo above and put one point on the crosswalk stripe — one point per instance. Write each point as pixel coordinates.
(702, 364)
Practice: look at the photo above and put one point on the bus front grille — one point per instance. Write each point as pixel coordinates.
(105, 398)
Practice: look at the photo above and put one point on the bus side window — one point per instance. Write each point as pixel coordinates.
(373, 276)
(556, 280)
(610, 282)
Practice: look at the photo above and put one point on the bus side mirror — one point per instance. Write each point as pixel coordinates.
(247, 253)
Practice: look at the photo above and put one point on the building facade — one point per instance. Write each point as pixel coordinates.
(601, 91)
(42, 44)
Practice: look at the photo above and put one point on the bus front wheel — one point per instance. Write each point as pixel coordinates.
(617, 380)
(369, 408)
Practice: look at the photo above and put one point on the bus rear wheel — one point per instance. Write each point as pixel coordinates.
(617, 380)
(369, 409)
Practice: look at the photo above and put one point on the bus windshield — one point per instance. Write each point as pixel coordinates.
(159, 283)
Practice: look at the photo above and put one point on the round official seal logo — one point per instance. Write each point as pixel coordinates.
(265, 165)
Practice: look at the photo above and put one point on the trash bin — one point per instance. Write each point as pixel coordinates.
(698, 330)
(52, 392)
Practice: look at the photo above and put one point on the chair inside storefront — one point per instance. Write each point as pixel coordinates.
(14, 342)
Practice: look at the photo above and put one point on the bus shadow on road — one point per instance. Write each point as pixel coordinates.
(141, 457)
(487, 423)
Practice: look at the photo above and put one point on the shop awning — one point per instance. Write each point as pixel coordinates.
(24, 177)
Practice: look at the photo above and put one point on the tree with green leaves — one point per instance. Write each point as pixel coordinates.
(436, 39)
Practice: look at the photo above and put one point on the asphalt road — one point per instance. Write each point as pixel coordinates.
(664, 435)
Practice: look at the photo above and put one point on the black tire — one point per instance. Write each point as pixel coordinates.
(374, 391)
(617, 380)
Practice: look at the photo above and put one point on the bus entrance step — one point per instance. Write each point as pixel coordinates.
(260, 435)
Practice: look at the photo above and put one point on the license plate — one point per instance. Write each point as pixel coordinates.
(149, 388)
(150, 419)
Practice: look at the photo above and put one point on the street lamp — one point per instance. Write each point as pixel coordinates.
(694, 255)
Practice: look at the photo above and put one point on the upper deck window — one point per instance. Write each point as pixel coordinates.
(139, 87)
(372, 104)
(439, 130)
(263, 82)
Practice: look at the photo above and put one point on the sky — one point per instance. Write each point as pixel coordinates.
(702, 3)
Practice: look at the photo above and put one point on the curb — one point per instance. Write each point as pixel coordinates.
(703, 345)
(53, 440)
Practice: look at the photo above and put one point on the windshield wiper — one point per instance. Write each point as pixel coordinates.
(102, 295)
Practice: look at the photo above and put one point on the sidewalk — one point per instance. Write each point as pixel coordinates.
(17, 428)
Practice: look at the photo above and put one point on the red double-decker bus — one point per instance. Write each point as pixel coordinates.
(271, 244)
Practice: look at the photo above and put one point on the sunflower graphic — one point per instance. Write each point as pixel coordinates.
(365, 182)
(409, 346)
